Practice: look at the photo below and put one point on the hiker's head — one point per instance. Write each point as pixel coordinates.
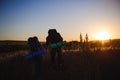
(35, 38)
(52, 31)
(30, 39)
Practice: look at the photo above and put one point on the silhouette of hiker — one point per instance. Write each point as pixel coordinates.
(35, 45)
(55, 37)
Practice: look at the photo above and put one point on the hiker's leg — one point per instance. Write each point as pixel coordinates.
(38, 66)
(60, 57)
(53, 54)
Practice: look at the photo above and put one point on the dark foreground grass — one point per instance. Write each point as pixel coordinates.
(99, 65)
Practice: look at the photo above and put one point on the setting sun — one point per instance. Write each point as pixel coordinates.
(102, 36)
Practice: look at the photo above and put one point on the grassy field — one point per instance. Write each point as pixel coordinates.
(87, 65)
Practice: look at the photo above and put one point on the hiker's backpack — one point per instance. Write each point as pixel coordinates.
(54, 36)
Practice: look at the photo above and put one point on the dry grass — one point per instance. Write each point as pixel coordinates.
(99, 65)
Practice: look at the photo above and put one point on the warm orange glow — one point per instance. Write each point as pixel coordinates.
(102, 36)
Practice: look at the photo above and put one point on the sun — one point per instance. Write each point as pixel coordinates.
(102, 35)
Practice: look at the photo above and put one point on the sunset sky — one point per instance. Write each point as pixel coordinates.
(20, 19)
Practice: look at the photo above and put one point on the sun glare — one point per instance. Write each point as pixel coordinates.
(102, 36)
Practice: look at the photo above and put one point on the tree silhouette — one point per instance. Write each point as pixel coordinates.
(81, 42)
(86, 38)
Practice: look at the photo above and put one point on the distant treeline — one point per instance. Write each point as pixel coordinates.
(96, 44)
(9, 46)
(11, 42)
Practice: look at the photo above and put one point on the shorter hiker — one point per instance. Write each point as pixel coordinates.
(35, 45)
